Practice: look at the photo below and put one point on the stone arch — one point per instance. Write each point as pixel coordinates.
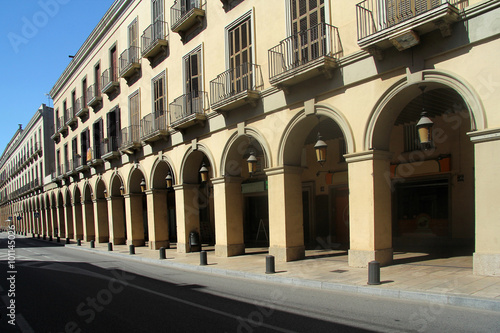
(381, 120)
(294, 132)
(247, 132)
(187, 170)
(132, 182)
(158, 179)
(115, 182)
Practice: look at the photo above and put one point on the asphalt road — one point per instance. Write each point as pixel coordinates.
(58, 289)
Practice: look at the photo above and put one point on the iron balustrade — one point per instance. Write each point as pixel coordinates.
(110, 145)
(92, 93)
(189, 104)
(376, 15)
(76, 160)
(60, 123)
(71, 114)
(182, 8)
(322, 40)
(152, 34)
(128, 57)
(80, 104)
(109, 76)
(67, 166)
(130, 135)
(245, 77)
(67, 115)
(154, 122)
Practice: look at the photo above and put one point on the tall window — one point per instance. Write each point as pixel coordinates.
(84, 92)
(400, 10)
(85, 145)
(192, 67)
(97, 79)
(240, 56)
(133, 35)
(159, 95)
(135, 112)
(157, 18)
(114, 64)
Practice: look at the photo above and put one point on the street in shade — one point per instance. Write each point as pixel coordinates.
(59, 289)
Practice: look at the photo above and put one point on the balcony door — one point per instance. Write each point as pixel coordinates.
(157, 18)
(308, 41)
(98, 136)
(240, 57)
(135, 117)
(401, 10)
(187, 5)
(113, 122)
(193, 74)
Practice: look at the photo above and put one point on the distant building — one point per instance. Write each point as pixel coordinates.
(25, 166)
(225, 100)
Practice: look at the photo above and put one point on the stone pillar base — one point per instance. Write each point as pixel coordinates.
(103, 239)
(360, 258)
(119, 241)
(155, 245)
(486, 264)
(136, 242)
(183, 248)
(285, 254)
(229, 250)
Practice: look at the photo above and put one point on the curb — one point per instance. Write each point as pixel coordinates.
(437, 298)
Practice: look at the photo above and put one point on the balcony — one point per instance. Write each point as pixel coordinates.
(82, 166)
(71, 167)
(94, 155)
(154, 126)
(131, 139)
(111, 146)
(129, 62)
(236, 87)
(188, 110)
(186, 14)
(61, 124)
(71, 119)
(94, 98)
(383, 24)
(305, 55)
(81, 107)
(155, 40)
(109, 81)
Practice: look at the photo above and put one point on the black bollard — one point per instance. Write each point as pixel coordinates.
(38, 236)
(50, 238)
(131, 249)
(110, 246)
(58, 239)
(203, 258)
(270, 265)
(92, 244)
(44, 237)
(67, 241)
(79, 242)
(163, 254)
(373, 273)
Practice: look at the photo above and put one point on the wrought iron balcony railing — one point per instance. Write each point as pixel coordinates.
(81, 108)
(185, 14)
(226, 88)
(131, 137)
(110, 147)
(291, 54)
(188, 107)
(129, 62)
(154, 126)
(109, 80)
(154, 39)
(94, 97)
(377, 15)
(71, 120)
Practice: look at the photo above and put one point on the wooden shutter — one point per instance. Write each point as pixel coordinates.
(240, 56)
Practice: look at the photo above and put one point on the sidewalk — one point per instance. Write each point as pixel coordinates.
(413, 276)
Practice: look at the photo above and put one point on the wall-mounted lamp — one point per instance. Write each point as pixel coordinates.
(122, 190)
(204, 173)
(168, 180)
(424, 125)
(252, 163)
(143, 185)
(320, 149)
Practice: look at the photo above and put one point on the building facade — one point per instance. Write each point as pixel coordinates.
(181, 116)
(25, 166)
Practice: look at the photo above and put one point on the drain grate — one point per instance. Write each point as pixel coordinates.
(339, 271)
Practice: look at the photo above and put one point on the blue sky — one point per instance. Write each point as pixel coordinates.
(37, 36)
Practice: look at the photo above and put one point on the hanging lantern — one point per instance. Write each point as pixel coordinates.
(252, 163)
(143, 185)
(122, 190)
(424, 125)
(204, 173)
(320, 148)
(105, 193)
(168, 180)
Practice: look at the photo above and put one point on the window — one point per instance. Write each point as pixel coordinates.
(97, 138)
(135, 112)
(84, 92)
(400, 10)
(113, 123)
(157, 10)
(97, 79)
(306, 16)
(240, 56)
(74, 149)
(73, 99)
(85, 145)
(193, 73)
(159, 95)
(133, 34)
(113, 55)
